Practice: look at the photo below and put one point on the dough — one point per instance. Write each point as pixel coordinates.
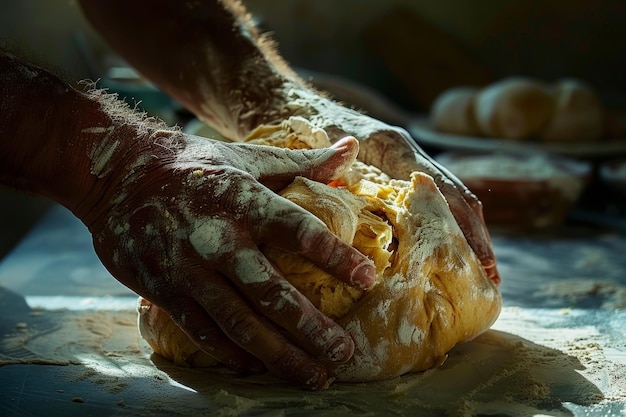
(579, 114)
(454, 112)
(522, 108)
(432, 292)
(514, 108)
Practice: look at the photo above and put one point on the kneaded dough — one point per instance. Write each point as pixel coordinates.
(431, 293)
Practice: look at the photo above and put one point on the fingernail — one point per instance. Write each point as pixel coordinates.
(364, 276)
(343, 142)
(317, 379)
(341, 350)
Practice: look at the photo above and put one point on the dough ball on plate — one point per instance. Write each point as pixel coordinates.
(454, 112)
(578, 116)
(514, 108)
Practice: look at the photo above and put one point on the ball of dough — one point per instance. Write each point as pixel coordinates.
(514, 108)
(431, 292)
(579, 114)
(454, 112)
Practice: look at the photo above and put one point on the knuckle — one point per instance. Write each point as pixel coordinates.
(312, 235)
(279, 297)
(242, 327)
(285, 359)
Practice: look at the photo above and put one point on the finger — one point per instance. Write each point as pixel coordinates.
(467, 211)
(284, 305)
(312, 239)
(276, 167)
(287, 226)
(245, 328)
(465, 207)
(202, 330)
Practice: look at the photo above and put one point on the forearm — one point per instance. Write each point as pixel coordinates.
(205, 54)
(34, 125)
(58, 142)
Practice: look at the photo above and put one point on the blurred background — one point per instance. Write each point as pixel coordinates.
(407, 51)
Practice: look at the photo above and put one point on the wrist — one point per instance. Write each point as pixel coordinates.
(35, 129)
(119, 148)
(70, 146)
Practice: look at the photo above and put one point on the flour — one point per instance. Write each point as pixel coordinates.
(232, 405)
(210, 236)
(532, 363)
(505, 166)
(101, 156)
(323, 113)
(98, 129)
(408, 333)
(366, 364)
(575, 290)
(58, 338)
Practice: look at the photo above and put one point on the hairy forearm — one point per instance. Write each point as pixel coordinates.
(36, 107)
(70, 146)
(205, 54)
(208, 56)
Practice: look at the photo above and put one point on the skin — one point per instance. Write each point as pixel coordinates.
(179, 219)
(208, 56)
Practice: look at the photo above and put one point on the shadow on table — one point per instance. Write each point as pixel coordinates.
(496, 374)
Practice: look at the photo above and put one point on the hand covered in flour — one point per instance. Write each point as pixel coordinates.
(229, 75)
(184, 231)
(180, 219)
(394, 151)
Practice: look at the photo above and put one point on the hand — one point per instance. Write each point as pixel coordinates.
(244, 83)
(464, 205)
(185, 231)
(395, 152)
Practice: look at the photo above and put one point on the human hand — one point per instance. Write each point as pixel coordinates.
(184, 231)
(395, 152)
(238, 82)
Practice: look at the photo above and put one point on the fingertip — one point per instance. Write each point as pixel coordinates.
(348, 147)
(363, 275)
(349, 141)
(340, 350)
(315, 377)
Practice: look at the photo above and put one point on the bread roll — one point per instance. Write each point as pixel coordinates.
(431, 292)
(514, 108)
(454, 112)
(579, 114)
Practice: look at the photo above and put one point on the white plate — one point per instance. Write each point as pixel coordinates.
(424, 134)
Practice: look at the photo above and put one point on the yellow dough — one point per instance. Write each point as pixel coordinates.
(432, 292)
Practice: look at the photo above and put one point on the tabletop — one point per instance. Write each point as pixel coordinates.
(69, 342)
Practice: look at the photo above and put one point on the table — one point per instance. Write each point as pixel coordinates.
(69, 342)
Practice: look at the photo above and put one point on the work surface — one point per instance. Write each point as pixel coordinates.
(69, 344)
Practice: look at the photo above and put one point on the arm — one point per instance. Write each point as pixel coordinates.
(208, 56)
(44, 144)
(179, 219)
(205, 54)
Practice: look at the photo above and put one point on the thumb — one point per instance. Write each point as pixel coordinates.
(322, 165)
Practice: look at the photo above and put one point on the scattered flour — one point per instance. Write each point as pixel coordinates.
(575, 290)
(532, 363)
